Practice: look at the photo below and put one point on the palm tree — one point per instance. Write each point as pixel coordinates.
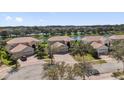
(41, 51)
(15, 61)
(62, 69)
(79, 70)
(51, 54)
(80, 49)
(51, 73)
(70, 75)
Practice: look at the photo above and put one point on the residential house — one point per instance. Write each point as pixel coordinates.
(101, 49)
(98, 39)
(61, 39)
(22, 50)
(99, 43)
(58, 47)
(22, 46)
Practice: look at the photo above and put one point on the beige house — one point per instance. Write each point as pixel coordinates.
(22, 46)
(100, 48)
(99, 43)
(58, 47)
(60, 44)
(29, 41)
(22, 50)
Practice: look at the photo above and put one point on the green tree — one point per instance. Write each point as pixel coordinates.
(50, 54)
(62, 69)
(70, 73)
(51, 73)
(78, 48)
(41, 51)
(79, 70)
(4, 57)
(118, 51)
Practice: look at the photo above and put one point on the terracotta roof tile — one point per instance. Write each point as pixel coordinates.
(96, 45)
(57, 44)
(117, 37)
(22, 40)
(60, 38)
(99, 39)
(18, 48)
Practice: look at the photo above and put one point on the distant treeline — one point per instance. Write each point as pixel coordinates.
(62, 30)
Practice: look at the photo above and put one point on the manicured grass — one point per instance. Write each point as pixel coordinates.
(47, 60)
(98, 62)
(89, 58)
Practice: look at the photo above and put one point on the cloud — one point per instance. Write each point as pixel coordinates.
(7, 18)
(19, 19)
(41, 20)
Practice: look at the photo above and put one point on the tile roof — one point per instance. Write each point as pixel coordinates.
(60, 38)
(117, 37)
(57, 44)
(18, 48)
(1, 30)
(96, 45)
(93, 38)
(22, 40)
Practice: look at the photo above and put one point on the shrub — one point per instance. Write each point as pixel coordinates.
(117, 74)
(6, 62)
(41, 51)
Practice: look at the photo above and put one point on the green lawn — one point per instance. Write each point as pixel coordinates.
(98, 62)
(47, 60)
(89, 58)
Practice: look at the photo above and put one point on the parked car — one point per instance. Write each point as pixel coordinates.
(91, 72)
(23, 58)
(95, 72)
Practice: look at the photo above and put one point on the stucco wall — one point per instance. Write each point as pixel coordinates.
(26, 52)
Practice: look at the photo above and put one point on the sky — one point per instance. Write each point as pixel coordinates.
(60, 18)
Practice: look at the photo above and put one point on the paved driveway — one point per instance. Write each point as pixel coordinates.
(111, 66)
(32, 60)
(32, 72)
(108, 59)
(28, 70)
(67, 58)
(108, 67)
